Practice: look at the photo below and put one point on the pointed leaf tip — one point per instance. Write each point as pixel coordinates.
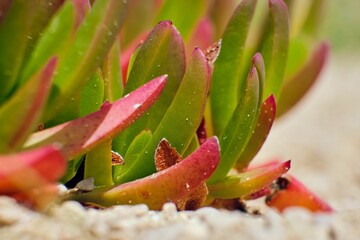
(30, 169)
(170, 184)
(83, 134)
(291, 192)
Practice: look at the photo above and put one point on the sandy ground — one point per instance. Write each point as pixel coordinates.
(321, 136)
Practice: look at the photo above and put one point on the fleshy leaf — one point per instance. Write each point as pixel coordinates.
(238, 131)
(165, 157)
(162, 53)
(251, 181)
(112, 74)
(225, 81)
(13, 43)
(20, 114)
(292, 193)
(98, 165)
(174, 10)
(168, 185)
(30, 169)
(261, 131)
(49, 44)
(299, 84)
(92, 41)
(181, 120)
(276, 47)
(133, 152)
(83, 134)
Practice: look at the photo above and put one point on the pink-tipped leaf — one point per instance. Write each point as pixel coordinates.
(83, 134)
(251, 181)
(21, 113)
(30, 169)
(168, 185)
(292, 193)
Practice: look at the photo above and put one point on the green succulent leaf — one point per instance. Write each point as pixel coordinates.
(84, 134)
(275, 47)
(261, 131)
(175, 10)
(92, 41)
(61, 27)
(181, 120)
(167, 185)
(13, 42)
(112, 74)
(300, 83)
(161, 53)
(20, 115)
(225, 82)
(249, 182)
(133, 152)
(238, 131)
(30, 169)
(98, 164)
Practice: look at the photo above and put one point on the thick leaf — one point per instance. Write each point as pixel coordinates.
(292, 193)
(112, 74)
(238, 131)
(261, 131)
(20, 114)
(251, 181)
(168, 185)
(133, 152)
(13, 43)
(31, 169)
(220, 11)
(162, 53)
(92, 42)
(166, 156)
(276, 47)
(181, 120)
(98, 165)
(90, 100)
(299, 84)
(81, 135)
(61, 26)
(225, 82)
(174, 11)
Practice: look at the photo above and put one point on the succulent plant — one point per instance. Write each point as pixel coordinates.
(167, 116)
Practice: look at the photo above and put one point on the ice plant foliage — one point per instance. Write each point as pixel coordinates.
(152, 111)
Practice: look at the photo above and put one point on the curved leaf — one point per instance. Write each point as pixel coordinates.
(181, 120)
(261, 131)
(165, 186)
(98, 164)
(298, 85)
(251, 181)
(13, 43)
(92, 41)
(292, 193)
(162, 53)
(224, 94)
(31, 169)
(20, 114)
(133, 152)
(276, 47)
(83, 134)
(238, 131)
